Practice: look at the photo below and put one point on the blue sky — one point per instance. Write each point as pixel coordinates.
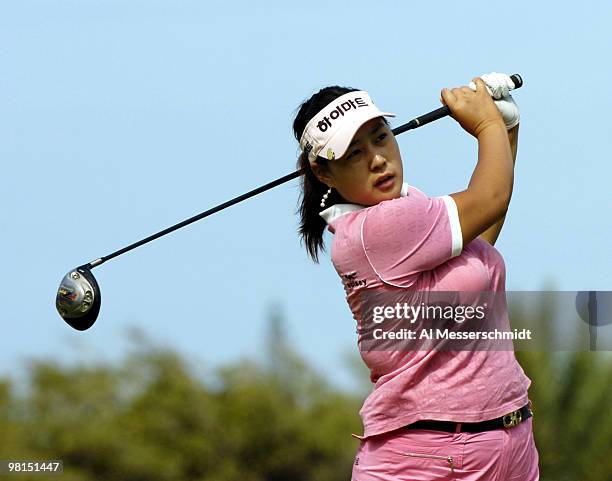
(121, 118)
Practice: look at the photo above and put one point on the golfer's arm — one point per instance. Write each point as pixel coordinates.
(492, 233)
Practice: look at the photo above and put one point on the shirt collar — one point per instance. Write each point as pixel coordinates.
(333, 212)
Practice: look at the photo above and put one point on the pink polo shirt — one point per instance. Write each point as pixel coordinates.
(414, 242)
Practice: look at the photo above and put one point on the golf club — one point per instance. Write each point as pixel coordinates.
(78, 298)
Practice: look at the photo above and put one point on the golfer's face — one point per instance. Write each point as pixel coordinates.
(371, 170)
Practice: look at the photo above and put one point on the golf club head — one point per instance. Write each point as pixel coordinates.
(78, 298)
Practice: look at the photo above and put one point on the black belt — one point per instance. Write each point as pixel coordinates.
(508, 421)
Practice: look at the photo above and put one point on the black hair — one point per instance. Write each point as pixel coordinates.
(312, 225)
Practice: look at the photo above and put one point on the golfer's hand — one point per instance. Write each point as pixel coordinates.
(474, 110)
(498, 86)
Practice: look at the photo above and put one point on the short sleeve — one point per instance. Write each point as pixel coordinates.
(405, 236)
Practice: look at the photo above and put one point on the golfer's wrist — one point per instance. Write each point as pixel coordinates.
(493, 128)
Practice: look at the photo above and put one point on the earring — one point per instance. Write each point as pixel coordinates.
(325, 196)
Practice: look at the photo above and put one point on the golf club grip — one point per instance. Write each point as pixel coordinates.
(422, 120)
(443, 111)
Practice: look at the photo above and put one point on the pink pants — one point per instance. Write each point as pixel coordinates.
(426, 455)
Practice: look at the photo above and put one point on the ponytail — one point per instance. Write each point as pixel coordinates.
(312, 225)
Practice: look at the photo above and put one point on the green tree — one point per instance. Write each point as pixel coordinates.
(152, 418)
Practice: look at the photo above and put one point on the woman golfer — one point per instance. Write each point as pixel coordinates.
(432, 414)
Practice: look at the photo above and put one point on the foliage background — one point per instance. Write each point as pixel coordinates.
(155, 416)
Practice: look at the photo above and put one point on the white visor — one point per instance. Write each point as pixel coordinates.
(330, 132)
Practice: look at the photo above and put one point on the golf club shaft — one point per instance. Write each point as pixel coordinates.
(413, 124)
(195, 218)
